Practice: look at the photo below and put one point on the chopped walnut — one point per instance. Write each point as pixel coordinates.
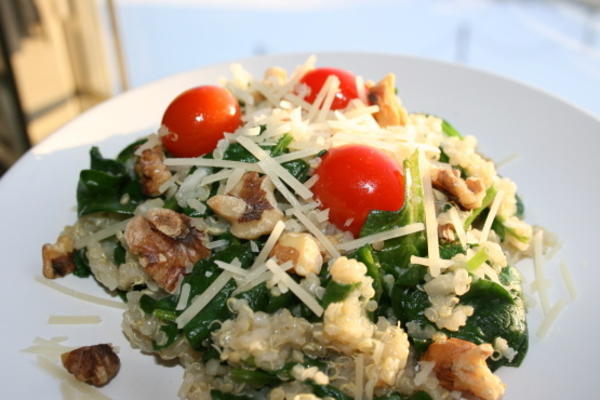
(391, 112)
(446, 232)
(250, 207)
(302, 250)
(95, 365)
(58, 258)
(460, 365)
(468, 193)
(166, 244)
(152, 171)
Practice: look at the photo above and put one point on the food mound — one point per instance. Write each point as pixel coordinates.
(304, 237)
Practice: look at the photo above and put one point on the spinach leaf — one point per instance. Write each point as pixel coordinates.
(82, 266)
(449, 250)
(202, 276)
(218, 395)
(449, 130)
(497, 313)
(397, 252)
(328, 391)
(282, 145)
(396, 396)
(366, 255)
(102, 187)
(119, 254)
(336, 292)
(128, 152)
(490, 194)
(255, 377)
(172, 332)
(520, 207)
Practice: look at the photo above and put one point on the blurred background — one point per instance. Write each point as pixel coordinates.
(61, 57)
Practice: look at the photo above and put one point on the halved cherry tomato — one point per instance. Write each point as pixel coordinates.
(316, 78)
(356, 179)
(197, 119)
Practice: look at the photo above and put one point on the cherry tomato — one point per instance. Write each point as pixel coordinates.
(198, 118)
(356, 179)
(316, 78)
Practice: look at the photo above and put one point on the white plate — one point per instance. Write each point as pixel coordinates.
(556, 173)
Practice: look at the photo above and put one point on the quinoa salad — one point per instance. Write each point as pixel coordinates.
(302, 236)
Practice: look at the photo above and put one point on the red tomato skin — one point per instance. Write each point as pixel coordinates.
(316, 78)
(197, 119)
(356, 179)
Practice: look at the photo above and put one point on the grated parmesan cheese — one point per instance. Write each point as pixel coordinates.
(202, 300)
(458, 227)
(312, 228)
(487, 226)
(269, 244)
(294, 287)
(234, 269)
(376, 237)
(267, 162)
(310, 182)
(80, 295)
(298, 154)
(431, 225)
(102, 234)
(233, 179)
(62, 375)
(216, 177)
(73, 319)
(209, 162)
(568, 280)
(538, 259)
(184, 296)
(550, 318)
(216, 243)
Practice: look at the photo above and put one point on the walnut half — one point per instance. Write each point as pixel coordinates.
(95, 365)
(166, 244)
(468, 193)
(58, 258)
(391, 112)
(460, 365)
(152, 171)
(250, 207)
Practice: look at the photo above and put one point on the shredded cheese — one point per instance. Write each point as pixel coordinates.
(538, 260)
(73, 319)
(269, 244)
(62, 375)
(269, 163)
(360, 89)
(234, 178)
(310, 182)
(376, 237)
(430, 263)
(209, 162)
(152, 142)
(331, 92)
(216, 243)
(458, 227)
(216, 177)
(102, 234)
(295, 288)
(316, 105)
(487, 226)
(303, 208)
(431, 225)
(234, 269)
(80, 295)
(298, 154)
(202, 300)
(184, 296)
(568, 280)
(312, 228)
(550, 318)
